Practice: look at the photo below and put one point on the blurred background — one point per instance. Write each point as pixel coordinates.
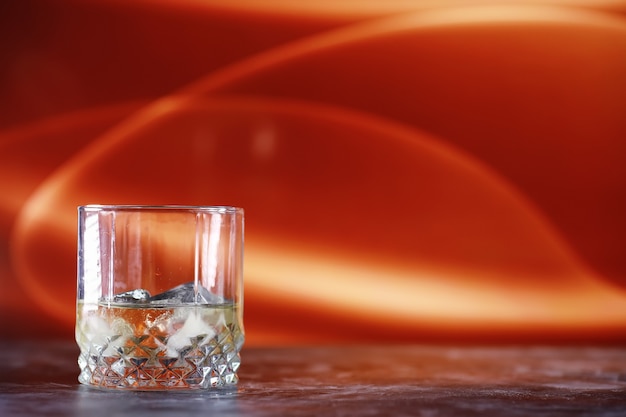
(411, 170)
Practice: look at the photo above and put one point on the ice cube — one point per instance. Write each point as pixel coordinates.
(194, 327)
(133, 296)
(185, 294)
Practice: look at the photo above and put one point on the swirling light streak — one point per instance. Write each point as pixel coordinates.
(565, 295)
(485, 261)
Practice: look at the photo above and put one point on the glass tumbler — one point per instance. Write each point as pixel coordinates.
(159, 296)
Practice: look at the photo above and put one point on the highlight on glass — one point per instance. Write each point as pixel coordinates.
(160, 296)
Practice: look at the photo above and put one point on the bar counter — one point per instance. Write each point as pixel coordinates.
(39, 379)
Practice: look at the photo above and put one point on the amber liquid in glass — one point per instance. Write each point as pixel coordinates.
(158, 347)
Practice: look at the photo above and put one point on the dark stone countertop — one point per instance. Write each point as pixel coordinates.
(39, 379)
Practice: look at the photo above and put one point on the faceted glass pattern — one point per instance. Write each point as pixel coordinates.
(119, 353)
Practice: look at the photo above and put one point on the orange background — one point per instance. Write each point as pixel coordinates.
(411, 171)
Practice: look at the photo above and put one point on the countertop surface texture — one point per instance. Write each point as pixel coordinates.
(39, 378)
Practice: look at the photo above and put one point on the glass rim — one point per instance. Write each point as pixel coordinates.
(158, 207)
